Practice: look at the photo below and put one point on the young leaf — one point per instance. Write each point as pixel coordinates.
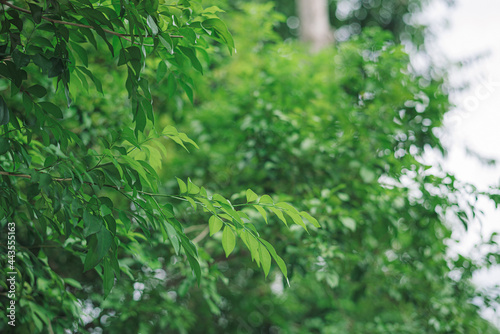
(182, 186)
(279, 214)
(251, 196)
(262, 212)
(279, 261)
(297, 219)
(192, 188)
(265, 259)
(310, 218)
(228, 240)
(254, 248)
(108, 277)
(266, 199)
(214, 224)
(208, 205)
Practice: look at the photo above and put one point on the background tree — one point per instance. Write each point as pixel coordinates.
(315, 23)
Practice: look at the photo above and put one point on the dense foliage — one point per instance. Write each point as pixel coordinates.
(109, 240)
(350, 17)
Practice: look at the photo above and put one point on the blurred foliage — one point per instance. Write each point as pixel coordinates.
(350, 17)
(339, 135)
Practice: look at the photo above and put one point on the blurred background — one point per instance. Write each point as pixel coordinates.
(465, 40)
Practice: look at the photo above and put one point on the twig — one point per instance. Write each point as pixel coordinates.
(194, 228)
(51, 331)
(26, 176)
(202, 235)
(79, 24)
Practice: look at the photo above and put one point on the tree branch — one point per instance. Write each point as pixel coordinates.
(194, 228)
(123, 36)
(202, 235)
(68, 179)
(26, 176)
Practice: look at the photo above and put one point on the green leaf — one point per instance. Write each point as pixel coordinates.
(221, 200)
(252, 244)
(251, 196)
(193, 262)
(190, 53)
(265, 259)
(228, 240)
(221, 28)
(192, 188)
(279, 214)
(207, 204)
(37, 90)
(172, 235)
(98, 246)
(191, 201)
(310, 218)
(136, 165)
(213, 10)
(36, 12)
(232, 213)
(297, 219)
(108, 277)
(161, 70)
(266, 199)
(152, 24)
(166, 41)
(52, 109)
(72, 282)
(4, 112)
(105, 210)
(82, 53)
(95, 80)
(4, 145)
(279, 261)
(262, 212)
(214, 224)
(187, 88)
(182, 186)
(95, 15)
(91, 223)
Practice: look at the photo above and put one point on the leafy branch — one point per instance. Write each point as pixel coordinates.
(79, 25)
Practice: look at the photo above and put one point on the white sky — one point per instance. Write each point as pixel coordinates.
(473, 29)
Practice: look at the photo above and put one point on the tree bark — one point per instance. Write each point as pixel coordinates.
(315, 26)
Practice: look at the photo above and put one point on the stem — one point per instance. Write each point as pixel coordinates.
(202, 235)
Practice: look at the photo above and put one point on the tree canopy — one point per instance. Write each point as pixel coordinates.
(160, 181)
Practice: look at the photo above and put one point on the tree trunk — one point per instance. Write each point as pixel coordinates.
(315, 26)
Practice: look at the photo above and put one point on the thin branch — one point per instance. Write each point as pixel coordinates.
(26, 176)
(68, 179)
(194, 228)
(200, 236)
(79, 24)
